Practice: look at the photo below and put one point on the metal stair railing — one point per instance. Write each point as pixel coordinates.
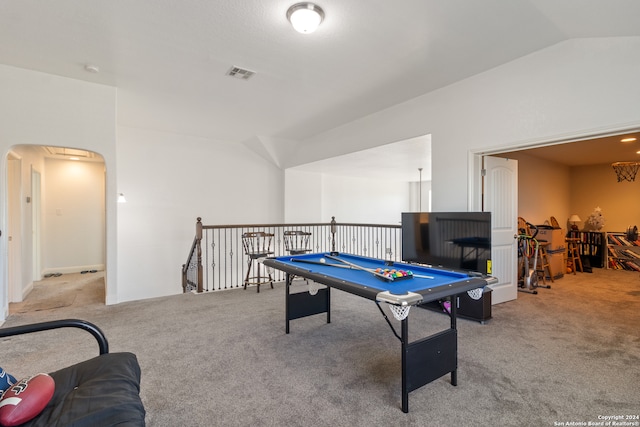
(216, 260)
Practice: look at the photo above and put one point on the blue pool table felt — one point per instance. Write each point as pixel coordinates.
(436, 277)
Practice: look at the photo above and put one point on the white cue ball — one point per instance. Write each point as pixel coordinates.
(322, 260)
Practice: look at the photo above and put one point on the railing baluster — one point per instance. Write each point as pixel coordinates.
(225, 262)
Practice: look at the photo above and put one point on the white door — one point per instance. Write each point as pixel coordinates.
(500, 191)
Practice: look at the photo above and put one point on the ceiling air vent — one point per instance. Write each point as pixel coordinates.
(240, 73)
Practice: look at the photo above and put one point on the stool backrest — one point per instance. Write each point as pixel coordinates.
(257, 243)
(296, 240)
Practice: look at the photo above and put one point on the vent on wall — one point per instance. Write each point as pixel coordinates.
(240, 73)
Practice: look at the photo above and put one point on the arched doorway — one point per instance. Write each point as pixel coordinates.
(57, 212)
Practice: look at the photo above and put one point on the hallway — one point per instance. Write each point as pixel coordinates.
(67, 290)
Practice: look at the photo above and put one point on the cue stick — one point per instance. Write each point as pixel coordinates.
(308, 261)
(369, 270)
(356, 266)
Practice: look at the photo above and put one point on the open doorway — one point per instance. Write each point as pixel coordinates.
(57, 203)
(374, 185)
(561, 178)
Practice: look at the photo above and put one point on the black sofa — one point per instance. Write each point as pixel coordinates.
(102, 391)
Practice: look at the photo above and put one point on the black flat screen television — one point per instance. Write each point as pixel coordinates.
(455, 240)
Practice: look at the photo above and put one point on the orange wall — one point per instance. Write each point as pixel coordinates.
(548, 189)
(543, 189)
(593, 186)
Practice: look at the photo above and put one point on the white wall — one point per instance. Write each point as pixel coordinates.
(73, 216)
(169, 180)
(303, 197)
(357, 200)
(41, 109)
(317, 197)
(575, 88)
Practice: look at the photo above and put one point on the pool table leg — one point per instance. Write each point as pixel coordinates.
(303, 304)
(404, 327)
(429, 358)
(454, 326)
(288, 280)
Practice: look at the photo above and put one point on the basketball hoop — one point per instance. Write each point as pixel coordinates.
(626, 171)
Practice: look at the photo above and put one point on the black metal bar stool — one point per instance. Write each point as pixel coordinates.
(257, 245)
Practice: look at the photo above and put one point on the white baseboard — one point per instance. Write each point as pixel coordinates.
(26, 291)
(73, 269)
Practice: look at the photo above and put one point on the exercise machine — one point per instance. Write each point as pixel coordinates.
(528, 254)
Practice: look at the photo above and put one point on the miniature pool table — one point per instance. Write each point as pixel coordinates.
(423, 360)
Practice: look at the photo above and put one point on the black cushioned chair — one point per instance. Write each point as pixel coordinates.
(102, 391)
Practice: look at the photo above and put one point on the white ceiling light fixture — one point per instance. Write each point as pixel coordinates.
(305, 17)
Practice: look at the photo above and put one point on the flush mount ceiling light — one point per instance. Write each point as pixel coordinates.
(305, 17)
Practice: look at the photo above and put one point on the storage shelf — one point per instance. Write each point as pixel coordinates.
(592, 247)
(622, 253)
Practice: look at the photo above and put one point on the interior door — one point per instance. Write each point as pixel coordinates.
(500, 190)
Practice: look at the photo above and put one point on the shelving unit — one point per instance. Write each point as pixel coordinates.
(591, 247)
(622, 254)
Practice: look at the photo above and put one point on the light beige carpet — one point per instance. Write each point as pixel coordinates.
(62, 291)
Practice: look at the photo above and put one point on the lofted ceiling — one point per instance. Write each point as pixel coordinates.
(169, 58)
(396, 162)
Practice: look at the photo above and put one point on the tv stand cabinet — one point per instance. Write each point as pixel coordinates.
(468, 308)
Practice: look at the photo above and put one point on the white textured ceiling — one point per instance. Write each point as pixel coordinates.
(168, 58)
